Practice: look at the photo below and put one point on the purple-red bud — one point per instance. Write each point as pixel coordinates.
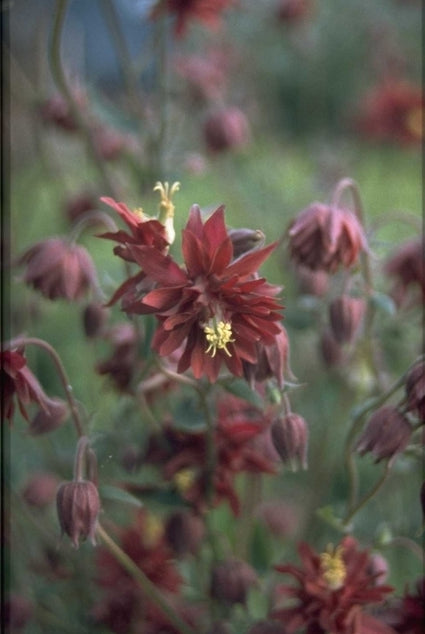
(386, 434)
(290, 438)
(40, 490)
(78, 506)
(184, 532)
(231, 580)
(94, 318)
(245, 240)
(346, 314)
(50, 417)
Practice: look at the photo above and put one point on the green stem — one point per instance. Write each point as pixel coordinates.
(59, 77)
(24, 341)
(148, 588)
(79, 461)
(365, 499)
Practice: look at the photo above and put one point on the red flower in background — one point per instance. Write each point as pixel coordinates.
(410, 616)
(333, 589)
(407, 268)
(217, 309)
(393, 111)
(205, 11)
(19, 382)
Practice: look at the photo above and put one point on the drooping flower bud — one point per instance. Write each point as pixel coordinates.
(415, 390)
(184, 532)
(40, 490)
(49, 418)
(244, 240)
(312, 282)
(226, 129)
(78, 506)
(94, 317)
(345, 314)
(386, 434)
(290, 438)
(231, 580)
(272, 361)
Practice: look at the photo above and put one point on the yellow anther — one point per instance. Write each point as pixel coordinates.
(166, 207)
(184, 479)
(153, 530)
(218, 336)
(333, 567)
(139, 213)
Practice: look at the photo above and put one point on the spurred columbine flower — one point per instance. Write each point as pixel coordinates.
(218, 310)
(415, 390)
(19, 382)
(346, 314)
(226, 128)
(407, 268)
(206, 11)
(78, 506)
(386, 433)
(325, 237)
(333, 588)
(59, 269)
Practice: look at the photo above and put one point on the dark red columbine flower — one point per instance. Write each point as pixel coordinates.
(386, 433)
(218, 309)
(333, 589)
(206, 11)
(393, 111)
(410, 615)
(59, 269)
(407, 268)
(19, 382)
(324, 237)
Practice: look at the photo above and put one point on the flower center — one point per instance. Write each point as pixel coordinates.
(333, 567)
(184, 479)
(218, 335)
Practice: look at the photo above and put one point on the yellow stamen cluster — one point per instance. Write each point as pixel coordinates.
(153, 530)
(166, 207)
(184, 479)
(333, 567)
(218, 336)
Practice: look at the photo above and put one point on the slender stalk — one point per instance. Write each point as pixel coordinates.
(80, 456)
(26, 341)
(59, 77)
(365, 499)
(148, 588)
(409, 544)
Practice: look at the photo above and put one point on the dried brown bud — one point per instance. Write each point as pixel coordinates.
(267, 627)
(346, 314)
(78, 506)
(231, 581)
(290, 438)
(184, 532)
(52, 416)
(386, 434)
(225, 129)
(324, 237)
(94, 318)
(415, 390)
(40, 490)
(244, 240)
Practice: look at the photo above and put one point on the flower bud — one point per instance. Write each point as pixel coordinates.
(225, 129)
(415, 390)
(79, 204)
(40, 490)
(290, 438)
(312, 282)
(94, 317)
(267, 627)
(244, 240)
(184, 532)
(78, 506)
(330, 350)
(345, 314)
(49, 418)
(386, 434)
(231, 581)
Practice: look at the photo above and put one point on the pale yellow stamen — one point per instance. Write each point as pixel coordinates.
(166, 207)
(139, 213)
(184, 479)
(218, 336)
(333, 567)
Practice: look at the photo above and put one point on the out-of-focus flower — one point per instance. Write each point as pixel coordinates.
(231, 579)
(293, 11)
(226, 128)
(218, 309)
(325, 237)
(386, 434)
(206, 11)
(312, 282)
(19, 382)
(40, 489)
(281, 519)
(109, 144)
(78, 204)
(184, 531)
(244, 240)
(407, 267)
(59, 269)
(290, 438)
(55, 110)
(122, 365)
(51, 416)
(273, 361)
(195, 163)
(378, 568)
(204, 75)
(78, 506)
(333, 589)
(415, 390)
(346, 314)
(331, 351)
(410, 615)
(393, 111)
(183, 455)
(94, 318)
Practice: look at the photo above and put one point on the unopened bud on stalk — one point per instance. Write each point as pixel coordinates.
(94, 317)
(346, 314)
(290, 438)
(231, 581)
(78, 506)
(244, 240)
(386, 434)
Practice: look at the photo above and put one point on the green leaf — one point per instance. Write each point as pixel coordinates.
(257, 603)
(326, 513)
(240, 388)
(384, 303)
(108, 492)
